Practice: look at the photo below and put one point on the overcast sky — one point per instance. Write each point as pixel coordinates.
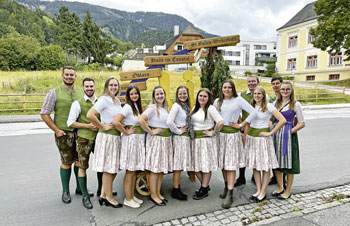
(251, 19)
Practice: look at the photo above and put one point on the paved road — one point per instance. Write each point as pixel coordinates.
(31, 188)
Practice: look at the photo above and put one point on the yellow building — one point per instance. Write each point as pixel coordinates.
(297, 57)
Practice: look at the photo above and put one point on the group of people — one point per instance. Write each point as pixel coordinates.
(233, 132)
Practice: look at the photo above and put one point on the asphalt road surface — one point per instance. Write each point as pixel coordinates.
(31, 190)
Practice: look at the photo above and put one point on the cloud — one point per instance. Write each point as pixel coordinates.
(251, 19)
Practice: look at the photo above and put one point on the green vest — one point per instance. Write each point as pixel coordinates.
(248, 98)
(85, 107)
(64, 99)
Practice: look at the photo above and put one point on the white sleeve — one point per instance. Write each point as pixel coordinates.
(73, 113)
(171, 119)
(299, 112)
(267, 98)
(216, 102)
(126, 110)
(150, 111)
(270, 107)
(100, 104)
(214, 113)
(248, 108)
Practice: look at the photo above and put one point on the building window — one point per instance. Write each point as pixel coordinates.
(334, 77)
(263, 47)
(335, 60)
(179, 47)
(292, 41)
(236, 53)
(311, 61)
(310, 77)
(236, 62)
(310, 38)
(291, 64)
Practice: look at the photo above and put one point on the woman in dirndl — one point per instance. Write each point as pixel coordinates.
(231, 152)
(107, 145)
(159, 150)
(259, 144)
(204, 146)
(133, 152)
(179, 122)
(286, 139)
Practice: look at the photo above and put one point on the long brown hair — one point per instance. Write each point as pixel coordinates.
(291, 97)
(177, 100)
(165, 104)
(210, 102)
(131, 103)
(263, 101)
(105, 89)
(221, 97)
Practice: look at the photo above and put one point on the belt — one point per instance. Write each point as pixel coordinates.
(255, 132)
(139, 130)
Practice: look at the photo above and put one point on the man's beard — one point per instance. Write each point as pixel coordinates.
(89, 95)
(68, 84)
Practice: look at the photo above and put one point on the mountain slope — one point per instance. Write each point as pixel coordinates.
(126, 26)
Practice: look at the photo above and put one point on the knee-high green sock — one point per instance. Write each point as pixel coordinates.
(65, 177)
(76, 169)
(99, 179)
(83, 187)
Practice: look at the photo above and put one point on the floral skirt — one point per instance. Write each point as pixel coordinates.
(182, 153)
(232, 155)
(159, 154)
(133, 152)
(107, 153)
(260, 153)
(205, 154)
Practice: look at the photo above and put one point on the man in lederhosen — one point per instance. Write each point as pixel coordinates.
(59, 100)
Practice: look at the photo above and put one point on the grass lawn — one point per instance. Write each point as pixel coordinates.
(340, 83)
(40, 82)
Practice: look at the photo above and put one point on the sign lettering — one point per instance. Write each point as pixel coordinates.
(164, 60)
(212, 42)
(133, 75)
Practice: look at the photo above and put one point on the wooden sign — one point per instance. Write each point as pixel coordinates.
(164, 60)
(133, 75)
(122, 99)
(124, 86)
(212, 42)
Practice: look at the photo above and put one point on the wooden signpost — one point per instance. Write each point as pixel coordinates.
(164, 60)
(212, 42)
(133, 75)
(142, 86)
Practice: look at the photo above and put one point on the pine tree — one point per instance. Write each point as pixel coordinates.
(214, 72)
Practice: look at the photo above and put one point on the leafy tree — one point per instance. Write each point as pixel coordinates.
(270, 68)
(214, 72)
(18, 52)
(50, 58)
(333, 30)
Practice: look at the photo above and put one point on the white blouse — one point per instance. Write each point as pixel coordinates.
(129, 118)
(153, 119)
(176, 118)
(297, 108)
(263, 118)
(107, 109)
(212, 116)
(231, 109)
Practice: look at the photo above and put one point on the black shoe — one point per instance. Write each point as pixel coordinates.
(202, 193)
(107, 203)
(252, 198)
(101, 201)
(183, 194)
(157, 203)
(98, 193)
(273, 181)
(260, 200)
(165, 200)
(282, 198)
(239, 182)
(66, 197)
(177, 194)
(223, 194)
(87, 203)
(277, 193)
(77, 192)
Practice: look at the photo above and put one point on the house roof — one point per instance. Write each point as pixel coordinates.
(306, 14)
(170, 41)
(189, 30)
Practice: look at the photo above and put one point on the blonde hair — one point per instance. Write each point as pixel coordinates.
(165, 104)
(263, 101)
(105, 89)
(291, 97)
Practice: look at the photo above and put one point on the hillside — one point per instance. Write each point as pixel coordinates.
(126, 26)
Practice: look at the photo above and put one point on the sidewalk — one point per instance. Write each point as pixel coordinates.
(329, 206)
(37, 118)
